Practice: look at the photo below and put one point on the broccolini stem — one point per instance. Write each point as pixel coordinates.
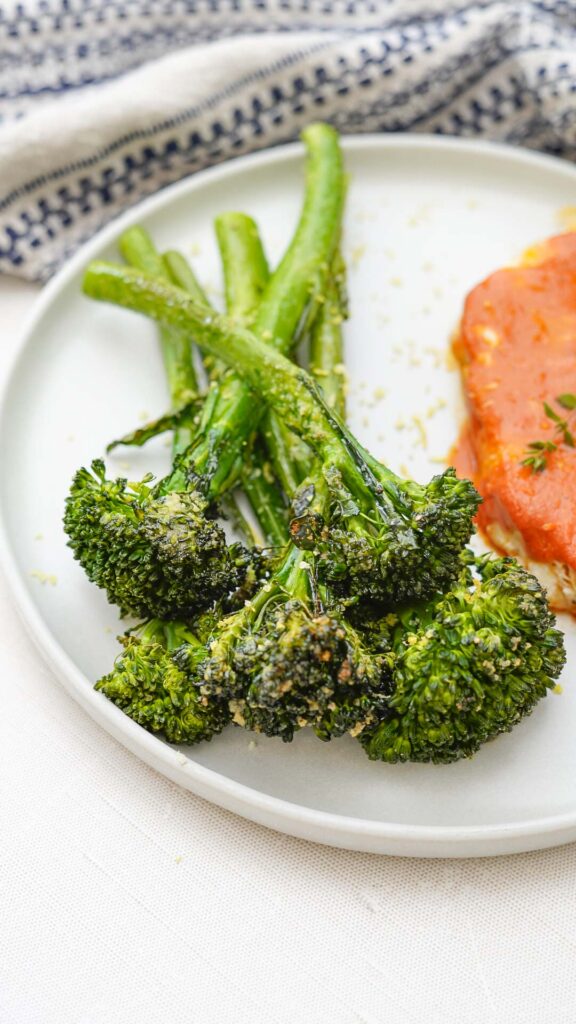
(181, 274)
(326, 343)
(245, 277)
(241, 252)
(291, 580)
(259, 489)
(139, 251)
(295, 575)
(244, 264)
(326, 366)
(286, 452)
(300, 276)
(175, 635)
(293, 288)
(179, 271)
(286, 387)
(265, 500)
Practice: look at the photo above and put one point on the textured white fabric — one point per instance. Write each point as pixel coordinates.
(125, 900)
(105, 101)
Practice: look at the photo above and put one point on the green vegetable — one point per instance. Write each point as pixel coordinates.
(157, 550)
(155, 554)
(282, 662)
(246, 276)
(288, 659)
(289, 302)
(147, 684)
(244, 266)
(470, 665)
(373, 619)
(326, 345)
(139, 251)
(386, 538)
(161, 557)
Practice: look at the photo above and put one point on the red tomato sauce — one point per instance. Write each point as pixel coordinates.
(517, 349)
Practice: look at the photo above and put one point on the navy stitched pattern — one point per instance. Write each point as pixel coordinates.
(162, 27)
(487, 68)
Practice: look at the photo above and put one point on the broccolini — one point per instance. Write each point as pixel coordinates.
(373, 618)
(156, 548)
(384, 537)
(469, 666)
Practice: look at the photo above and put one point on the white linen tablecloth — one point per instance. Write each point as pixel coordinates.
(125, 900)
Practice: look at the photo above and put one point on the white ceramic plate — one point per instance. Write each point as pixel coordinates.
(426, 219)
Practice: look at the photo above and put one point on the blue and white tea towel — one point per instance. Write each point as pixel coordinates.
(105, 101)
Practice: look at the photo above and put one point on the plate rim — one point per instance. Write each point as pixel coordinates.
(330, 828)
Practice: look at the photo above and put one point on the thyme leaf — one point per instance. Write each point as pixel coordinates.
(537, 452)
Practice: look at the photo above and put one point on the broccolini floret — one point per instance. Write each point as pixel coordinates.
(384, 538)
(470, 665)
(286, 661)
(147, 684)
(153, 552)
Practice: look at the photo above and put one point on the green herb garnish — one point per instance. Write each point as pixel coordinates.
(537, 452)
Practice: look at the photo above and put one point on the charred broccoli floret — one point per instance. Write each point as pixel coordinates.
(393, 540)
(284, 662)
(155, 553)
(469, 666)
(147, 684)
(303, 670)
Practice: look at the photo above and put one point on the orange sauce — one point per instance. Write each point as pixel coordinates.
(517, 349)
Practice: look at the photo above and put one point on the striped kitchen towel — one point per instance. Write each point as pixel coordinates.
(105, 101)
